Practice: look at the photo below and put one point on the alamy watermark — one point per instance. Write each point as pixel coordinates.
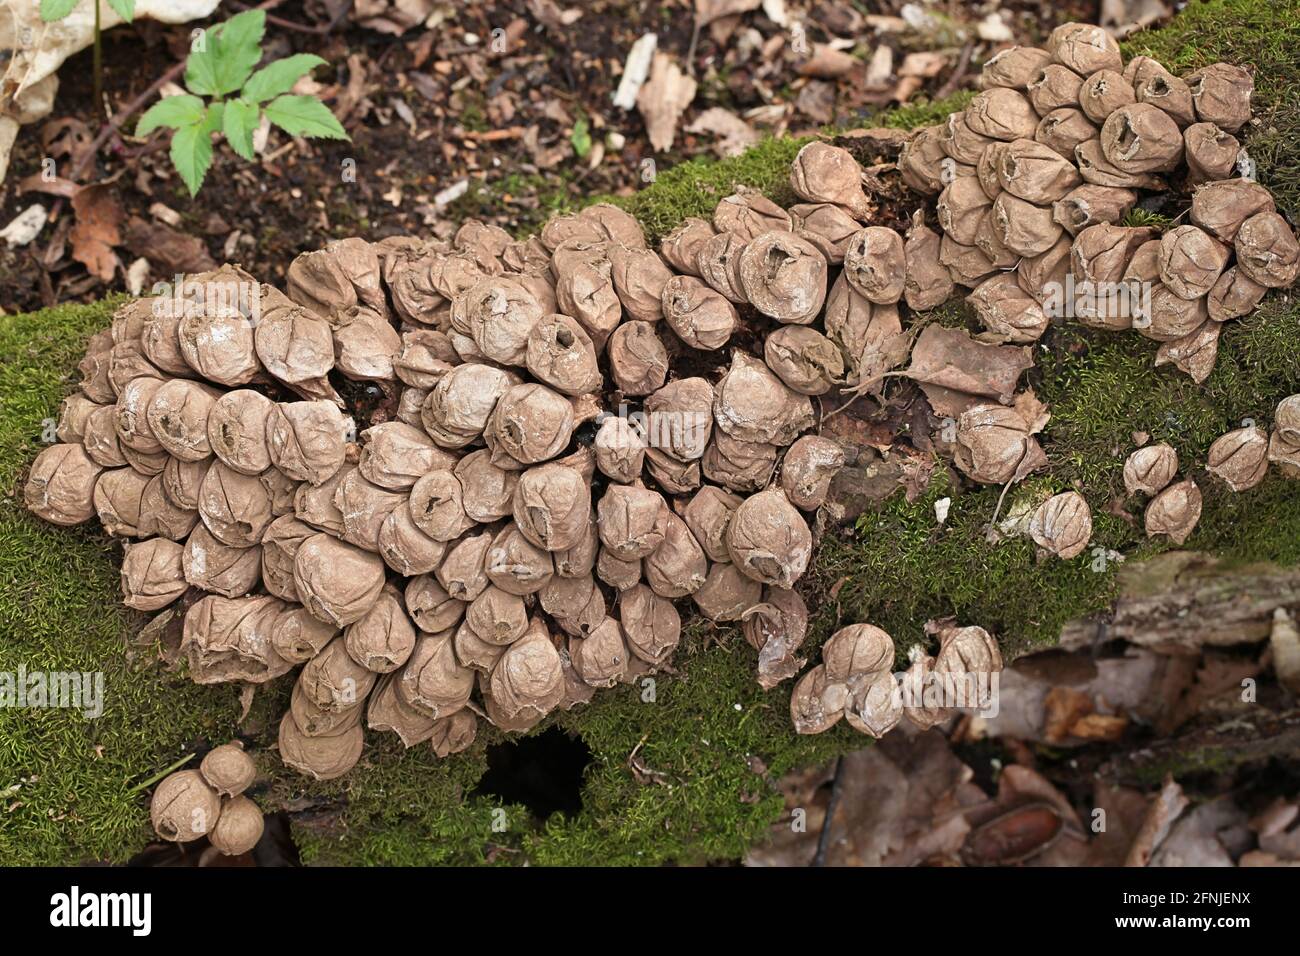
(186, 295)
(1087, 299)
(70, 690)
(668, 429)
(976, 691)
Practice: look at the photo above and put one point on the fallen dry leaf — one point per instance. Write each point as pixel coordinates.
(167, 249)
(663, 99)
(827, 63)
(733, 134)
(706, 11)
(955, 371)
(98, 230)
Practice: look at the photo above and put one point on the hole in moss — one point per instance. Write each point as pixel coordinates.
(543, 773)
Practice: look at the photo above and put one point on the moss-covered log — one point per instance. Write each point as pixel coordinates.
(681, 770)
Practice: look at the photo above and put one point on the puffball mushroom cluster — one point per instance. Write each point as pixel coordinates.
(494, 545)
(855, 680)
(1035, 177)
(570, 439)
(210, 802)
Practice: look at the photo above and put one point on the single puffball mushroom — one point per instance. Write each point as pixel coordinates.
(394, 455)
(324, 757)
(823, 173)
(463, 571)
(784, 276)
(650, 623)
(1150, 469)
(531, 423)
(808, 468)
(228, 770)
(1240, 457)
(768, 539)
(1034, 172)
(237, 430)
(1174, 511)
(1062, 525)
(231, 572)
(1013, 67)
(1267, 251)
(1141, 138)
(638, 360)
(702, 317)
(153, 574)
(1103, 93)
(676, 568)
(631, 521)
(430, 606)
(752, 404)
(307, 440)
(807, 361)
(238, 829)
(927, 283)
(382, 639)
(552, 504)
(966, 651)
(298, 637)
(1221, 95)
(1211, 153)
(738, 465)
(620, 447)
(707, 514)
(336, 581)
(184, 807)
(61, 486)
(560, 354)
(776, 629)
(1191, 261)
(118, 494)
(681, 247)
(1084, 48)
(639, 276)
(876, 265)
(1001, 114)
(727, 593)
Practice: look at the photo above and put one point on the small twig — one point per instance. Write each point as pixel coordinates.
(318, 30)
(824, 838)
(163, 773)
(958, 72)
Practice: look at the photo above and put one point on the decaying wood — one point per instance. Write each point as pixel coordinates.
(1182, 601)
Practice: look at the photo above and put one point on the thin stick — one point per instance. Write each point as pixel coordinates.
(164, 773)
(99, 64)
(824, 838)
(318, 30)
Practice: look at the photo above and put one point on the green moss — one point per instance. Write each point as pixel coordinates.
(709, 742)
(66, 779)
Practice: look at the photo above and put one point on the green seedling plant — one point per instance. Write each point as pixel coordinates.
(227, 97)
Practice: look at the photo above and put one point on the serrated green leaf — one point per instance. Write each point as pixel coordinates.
(172, 112)
(239, 47)
(279, 77)
(230, 51)
(192, 155)
(304, 116)
(201, 66)
(52, 10)
(581, 138)
(124, 9)
(239, 124)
